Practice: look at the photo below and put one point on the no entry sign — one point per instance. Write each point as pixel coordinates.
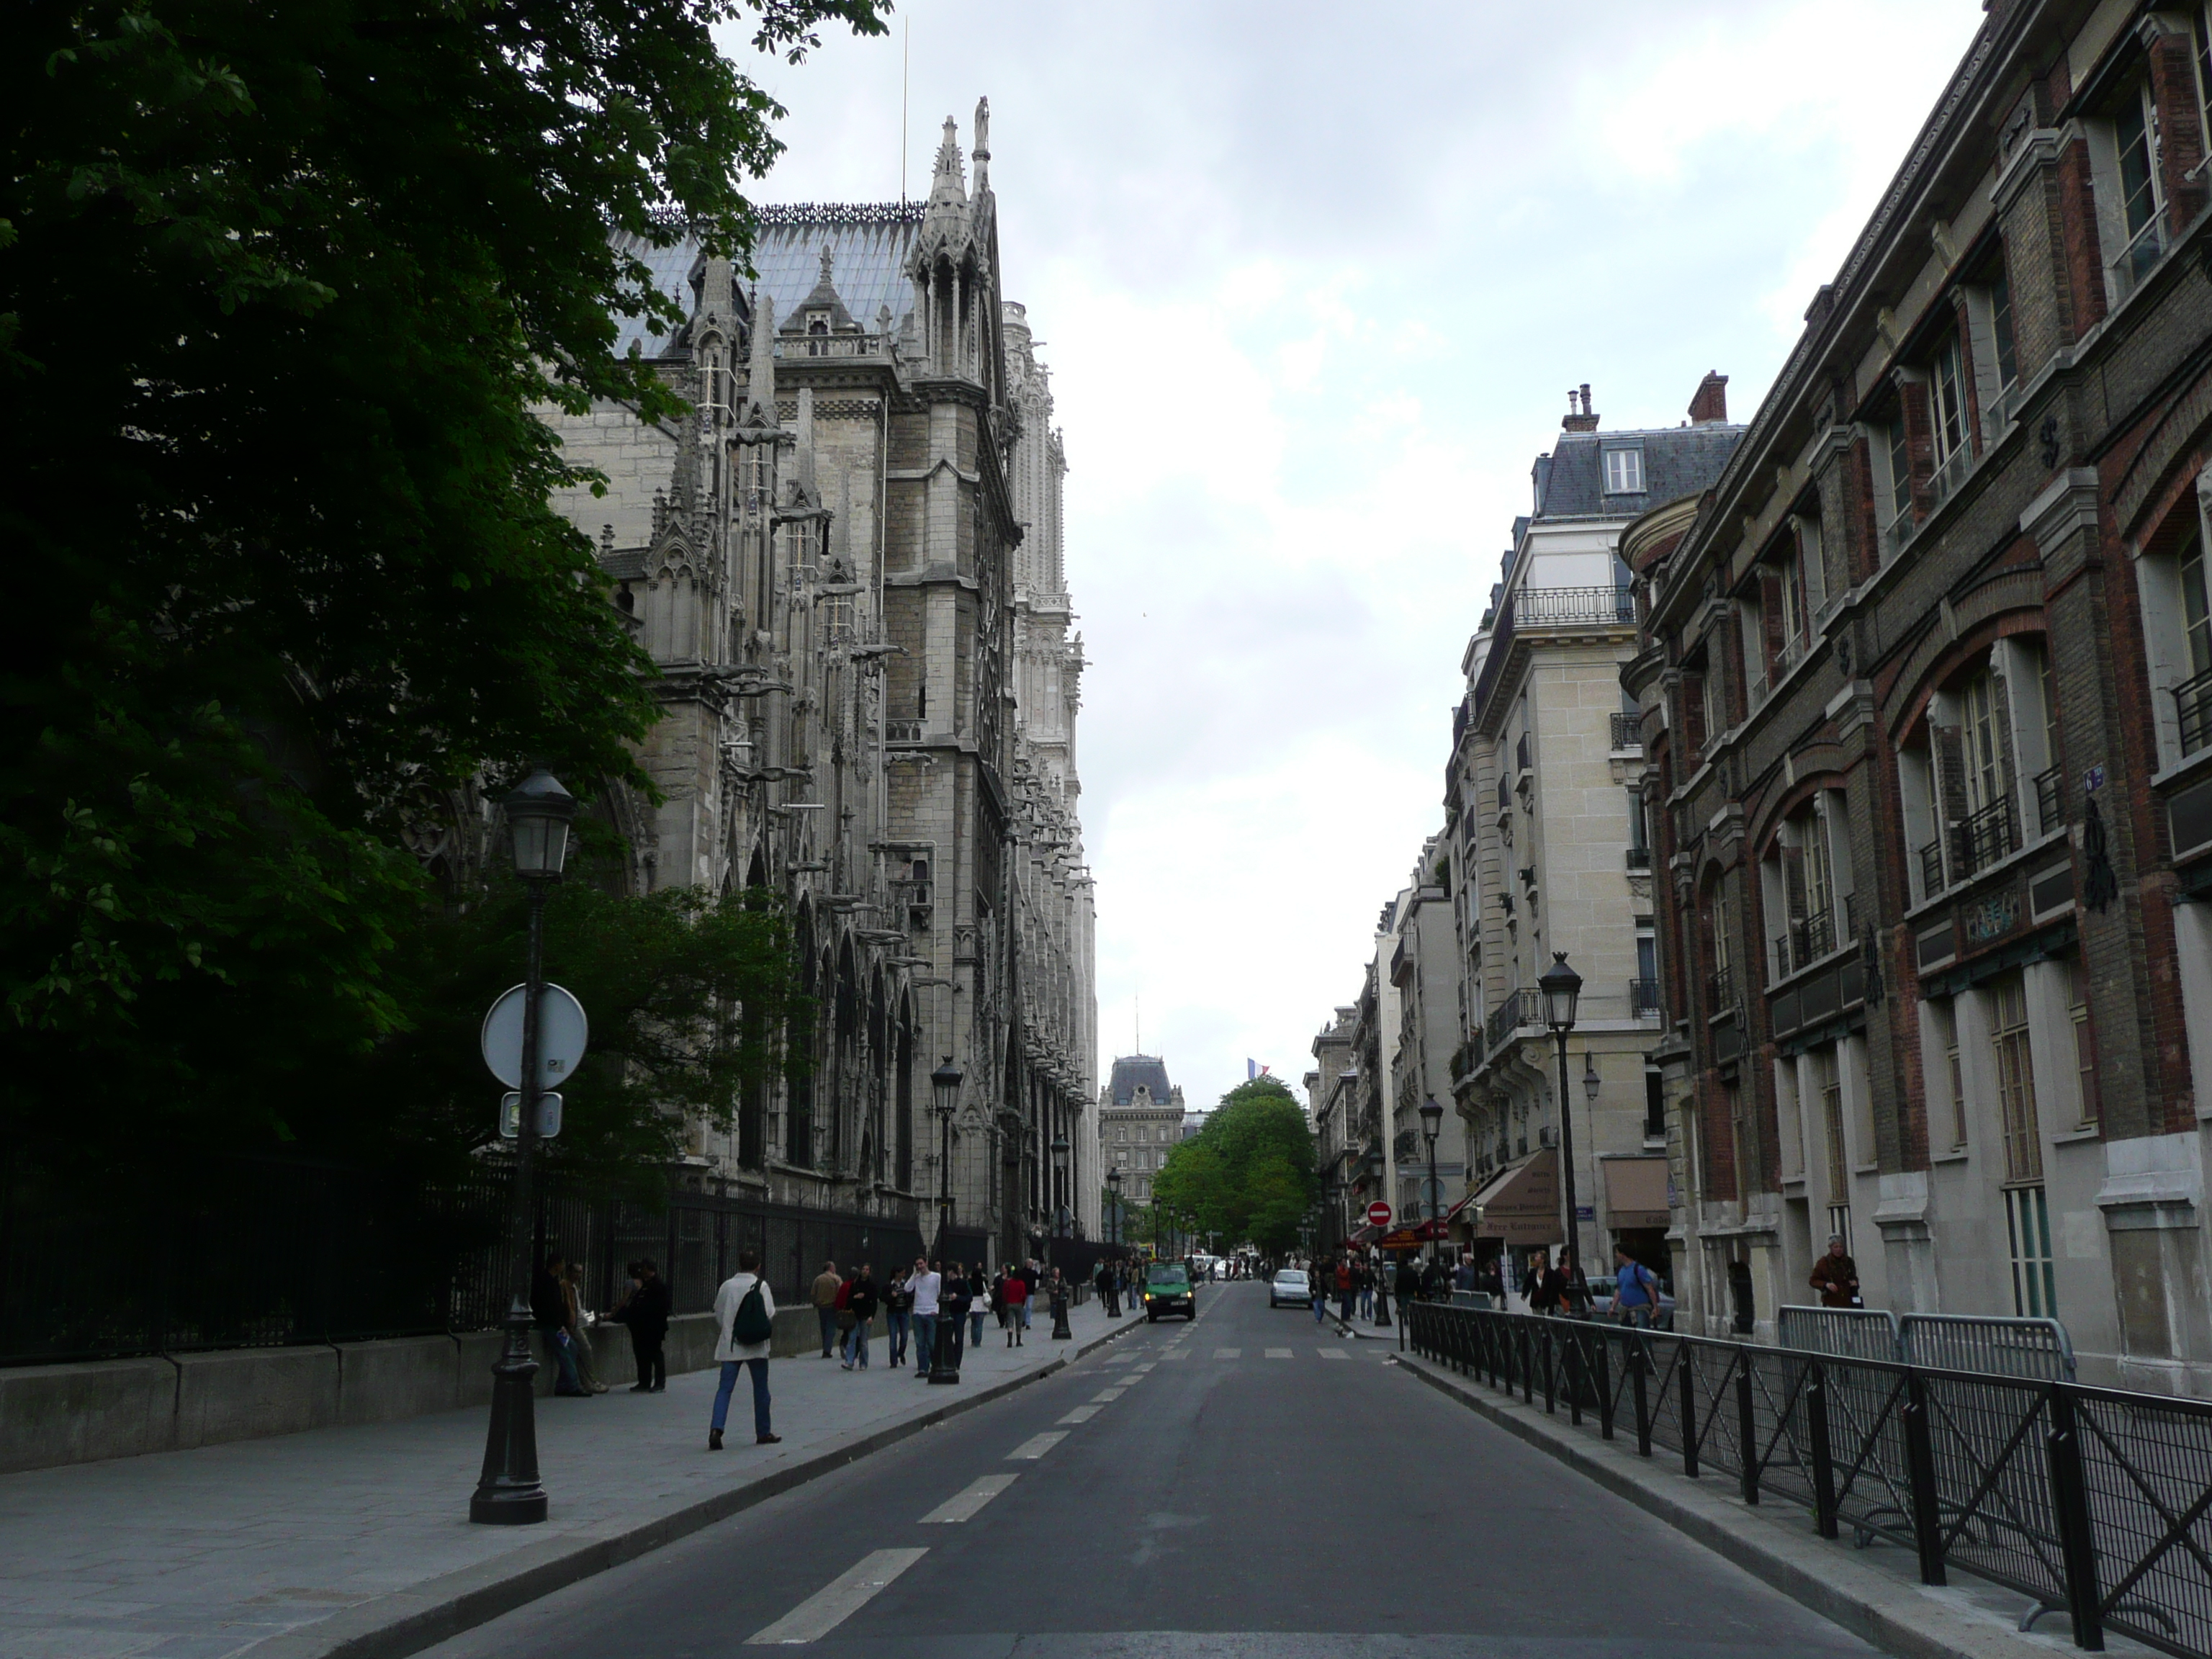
(1378, 1214)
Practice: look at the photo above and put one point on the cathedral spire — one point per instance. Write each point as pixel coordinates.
(948, 188)
(760, 386)
(982, 136)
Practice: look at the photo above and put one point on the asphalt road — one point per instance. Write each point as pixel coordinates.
(1246, 1486)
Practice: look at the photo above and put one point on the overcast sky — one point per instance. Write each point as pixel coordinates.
(1312, 281)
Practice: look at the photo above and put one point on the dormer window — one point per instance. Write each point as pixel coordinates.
(1624, 472)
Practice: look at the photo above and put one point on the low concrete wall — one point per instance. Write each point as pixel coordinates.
(88, 1413)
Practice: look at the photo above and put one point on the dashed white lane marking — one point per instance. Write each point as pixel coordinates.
(837, 1600)
(1035, 1447)
(1335, 1353)
(1081, 1414)
(1116, 1360)
(1279, 1353)
(1146, 1366)
(1229, 1353)
(1177, 1354)
(963, 1504)
(1106, 1396)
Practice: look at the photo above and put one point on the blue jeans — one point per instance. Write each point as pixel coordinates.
(829, 1318)
(856, 1344)
(925, 1341)
(976, 1322)
(564, 1356)
(1320, 1306)
(895, 1322)
(1025, 1316)
(760, 1394)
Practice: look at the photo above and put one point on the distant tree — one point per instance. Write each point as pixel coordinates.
(1247, 1176)
(281, 290)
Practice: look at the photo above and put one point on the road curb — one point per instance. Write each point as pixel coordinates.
(1898, 1616)
(407, 1621)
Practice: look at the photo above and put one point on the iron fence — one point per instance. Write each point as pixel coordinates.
(266, 1254)
(2092, 1502)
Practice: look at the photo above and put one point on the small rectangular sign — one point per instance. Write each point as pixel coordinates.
(510, 1115)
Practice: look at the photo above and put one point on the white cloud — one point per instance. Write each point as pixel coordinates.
(1313, 284)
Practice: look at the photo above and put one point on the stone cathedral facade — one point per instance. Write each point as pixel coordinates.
(848, 564)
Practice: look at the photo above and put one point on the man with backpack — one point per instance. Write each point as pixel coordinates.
(1636, 1290)
(745, 1325)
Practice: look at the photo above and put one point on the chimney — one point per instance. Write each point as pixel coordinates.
(1581, 421)
(1710, 405)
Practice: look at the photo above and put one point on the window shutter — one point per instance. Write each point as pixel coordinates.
(1793, 883)
(2000, 706)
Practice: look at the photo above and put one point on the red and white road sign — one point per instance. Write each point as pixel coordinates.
(1378, 1214)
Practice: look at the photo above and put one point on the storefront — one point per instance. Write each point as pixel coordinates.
(1515, 1212)
(1636, 1211)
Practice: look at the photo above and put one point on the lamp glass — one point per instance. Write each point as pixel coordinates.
(538, 813)
(1592, 1083)
(1432, 1117)
(1561, 985)
(945, 1080)
(1060, 1152)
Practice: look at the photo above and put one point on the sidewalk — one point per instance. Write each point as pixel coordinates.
(356, 1541)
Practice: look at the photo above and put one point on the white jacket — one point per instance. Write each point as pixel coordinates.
(734, 1290)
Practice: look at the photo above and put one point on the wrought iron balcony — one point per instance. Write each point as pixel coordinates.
(2146, 248)
(1931, 869)
(1720, 992)
(1644, 999)
(1627, 731)
(1521, 1009)
(1944, 481)
(1640, 858)
(2192, 700)
(1568, 607)
(2050, 802)
(1812, 938)
(1989, 835)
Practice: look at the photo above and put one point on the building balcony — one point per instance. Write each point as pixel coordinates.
(2192, 703)
(1638, 858)
(2050, 800)
(1644, 999)
(1521, 1010)
(1627, 731)
(2144, 251)
(1987, 835)
(1720, 992)
(828, 345)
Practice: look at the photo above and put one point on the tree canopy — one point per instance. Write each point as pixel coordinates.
(281, 290)
(1249, 1174)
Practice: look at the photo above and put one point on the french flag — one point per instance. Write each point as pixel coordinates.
(1253, 1071)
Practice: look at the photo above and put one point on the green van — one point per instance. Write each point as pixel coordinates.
(1167, 1291)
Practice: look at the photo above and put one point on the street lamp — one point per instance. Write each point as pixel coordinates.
(945, 1080)
(508, 1491)
(1561, 985)
(1059, 1331)
(1432, 1122)
(1375, 1171)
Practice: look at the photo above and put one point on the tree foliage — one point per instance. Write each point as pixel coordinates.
(281, 288)
(1249, 1174)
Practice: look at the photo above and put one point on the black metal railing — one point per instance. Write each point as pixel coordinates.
(2050, 800)
(2193, 705)
(1628, 731)
(1931, 869)
(1812, 937)
(2090, 1501)
(1644, 999)
(1987, 835)
(265, 1254)
(1720, 992)
(1520, 1008)
(1640, 858)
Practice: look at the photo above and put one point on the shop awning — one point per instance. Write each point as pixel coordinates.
(1521, 1204)
(1635, 1191)
(1407, 1238)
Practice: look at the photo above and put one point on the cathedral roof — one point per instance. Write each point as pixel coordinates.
(1131, 1069)
(868, 243)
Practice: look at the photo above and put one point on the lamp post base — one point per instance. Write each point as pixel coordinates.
(1381, 1309)
(508, 1493)
(941, 1368)
(1059, 1330)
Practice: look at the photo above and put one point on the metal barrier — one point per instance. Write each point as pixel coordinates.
(2092, 1502)
(1851, 1332)
(2008, 1348)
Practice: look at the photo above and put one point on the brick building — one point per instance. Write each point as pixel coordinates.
(1925, 681)
(847, 563)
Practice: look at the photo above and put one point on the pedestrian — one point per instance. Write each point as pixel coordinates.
(1363, 1280)
(1317, 1288)
(978, 1305)
(1836, 1277)
(1017, 1293)
(1029, 1277)
(1344, 1291)
(861, 1308)
(577, 1327)
(898, 1309)
(1103, 1282)
(824, 1293)
(1636, 1292)
(924, 1286)
(549, 1311)
(955, 1298)
(1406, 1283)
(744, 1328)
(644, 1312)
(1532, 1279)
(1464, 1274)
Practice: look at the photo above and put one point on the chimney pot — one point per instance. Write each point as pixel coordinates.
(1709, 405)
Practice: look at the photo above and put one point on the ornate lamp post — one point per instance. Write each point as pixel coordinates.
(945, 1080)
(1113, 1209)
(508, 1493)
(1375, 1172)
(1060, 1149)
(1561, 985)
(1432, 1122)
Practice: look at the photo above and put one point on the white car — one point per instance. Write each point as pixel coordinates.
(1292, 1286)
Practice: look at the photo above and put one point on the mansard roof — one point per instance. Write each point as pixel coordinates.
(1678, 460)
(1130, 1070)
(868, 243)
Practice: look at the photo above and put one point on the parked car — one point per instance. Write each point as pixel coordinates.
(1290, 1287)
(1168, 1290)
(1603, 1289)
